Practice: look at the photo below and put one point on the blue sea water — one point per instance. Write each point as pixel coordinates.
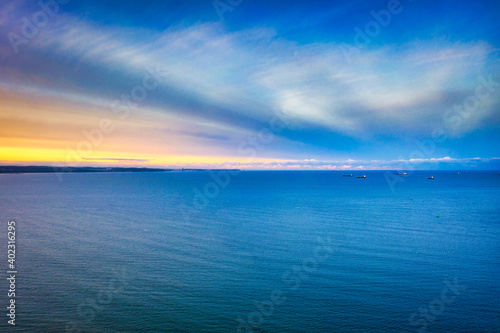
(253, 252)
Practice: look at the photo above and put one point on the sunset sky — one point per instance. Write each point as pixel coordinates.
(251, 84)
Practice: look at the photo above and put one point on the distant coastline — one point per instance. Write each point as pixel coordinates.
(16, 169)
(49, 169)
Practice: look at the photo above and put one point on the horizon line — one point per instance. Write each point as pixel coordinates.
(21, 169)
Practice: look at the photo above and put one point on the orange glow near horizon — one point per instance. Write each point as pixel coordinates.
(50, 131)
(38, 156)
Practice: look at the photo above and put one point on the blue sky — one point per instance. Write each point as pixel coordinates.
(359, 84)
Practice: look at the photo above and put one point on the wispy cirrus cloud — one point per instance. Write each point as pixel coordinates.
(247, 73)
(220, 85)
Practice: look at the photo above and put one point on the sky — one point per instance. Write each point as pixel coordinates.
(264, 85)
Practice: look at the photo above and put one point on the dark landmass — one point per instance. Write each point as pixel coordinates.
(55, 169)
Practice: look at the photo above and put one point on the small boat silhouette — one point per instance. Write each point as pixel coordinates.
(361, 176)
(346, 175)
(431, 177)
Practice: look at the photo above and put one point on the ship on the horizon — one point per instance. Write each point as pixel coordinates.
(347, 175)
(361, 176)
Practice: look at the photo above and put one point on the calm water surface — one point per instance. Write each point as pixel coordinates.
(146, 252)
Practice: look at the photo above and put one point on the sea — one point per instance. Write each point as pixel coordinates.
(252, 251)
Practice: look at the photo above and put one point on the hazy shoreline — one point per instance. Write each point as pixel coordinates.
(50, 169)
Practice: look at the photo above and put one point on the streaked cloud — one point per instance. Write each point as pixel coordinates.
(219, 86)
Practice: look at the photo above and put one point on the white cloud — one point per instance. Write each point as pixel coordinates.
(253, 72)
(431, 163)
(392, 89)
